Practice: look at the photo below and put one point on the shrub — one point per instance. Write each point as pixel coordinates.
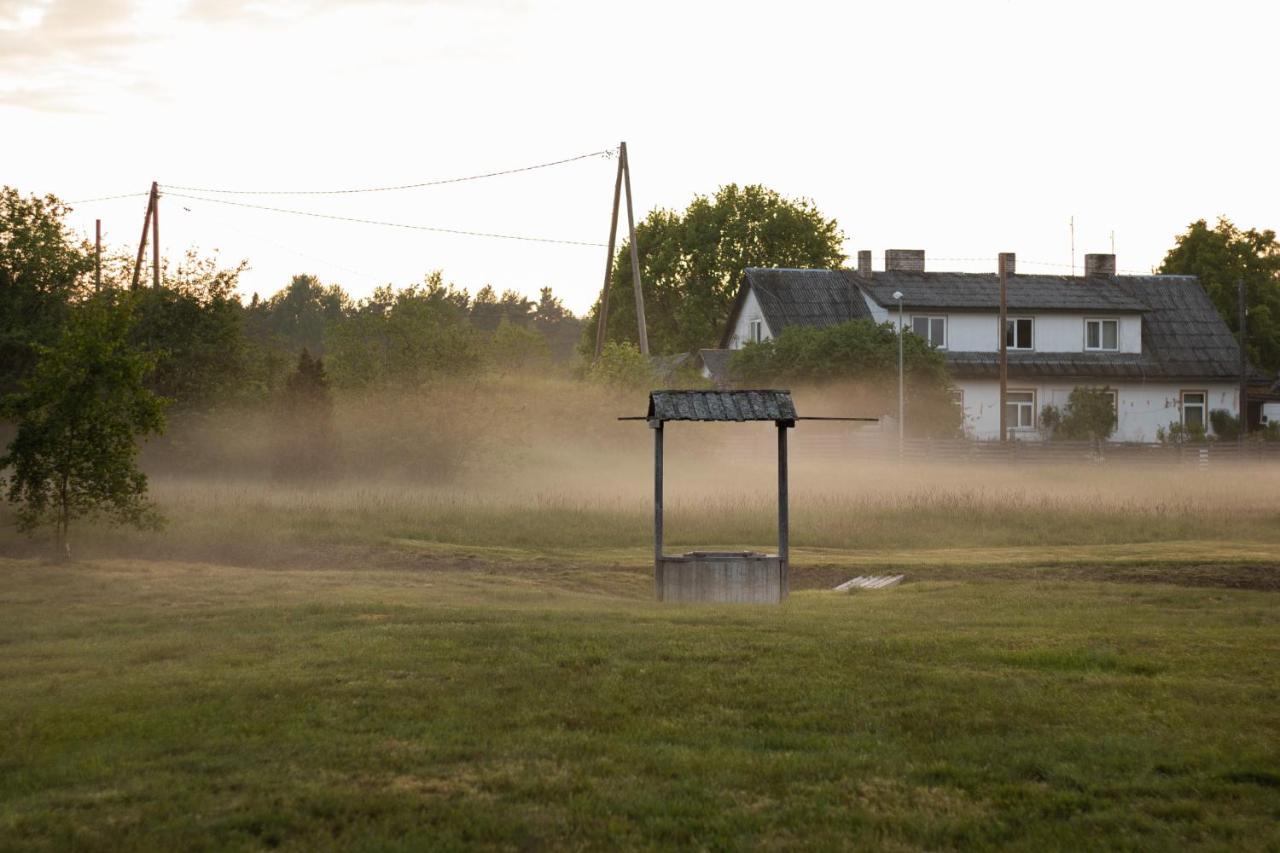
(622, 366)
(1226, 426)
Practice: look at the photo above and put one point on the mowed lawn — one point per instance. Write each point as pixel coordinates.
(195, 706)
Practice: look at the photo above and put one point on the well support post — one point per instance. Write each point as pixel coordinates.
(784, 533)
(657, 506)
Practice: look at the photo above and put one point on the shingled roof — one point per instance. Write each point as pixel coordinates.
(791, 297)
(960, 291)
(762, 405)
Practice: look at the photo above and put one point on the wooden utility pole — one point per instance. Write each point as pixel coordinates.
(155, 235)
(97, 255)
(602, 320)
(142, 245)
(1244, 369)
(1004, 346)
(641, 329)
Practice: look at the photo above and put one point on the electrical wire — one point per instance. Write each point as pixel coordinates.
(109, 197)
(605, 153)
(458, 231)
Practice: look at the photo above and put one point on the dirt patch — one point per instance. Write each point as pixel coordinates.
(1265, 577)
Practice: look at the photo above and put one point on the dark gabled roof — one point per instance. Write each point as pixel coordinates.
(799, 298)
(721, 406)
(1183, 337)
(716, 361)
(1182, 330)
(961, 291)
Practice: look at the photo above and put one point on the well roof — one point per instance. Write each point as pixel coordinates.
(758, 405)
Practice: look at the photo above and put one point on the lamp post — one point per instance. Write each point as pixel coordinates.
(897, 295)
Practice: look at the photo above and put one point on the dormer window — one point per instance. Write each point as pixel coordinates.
(932, 329)
(1102, 335)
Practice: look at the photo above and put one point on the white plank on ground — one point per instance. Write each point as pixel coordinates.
(870, 582)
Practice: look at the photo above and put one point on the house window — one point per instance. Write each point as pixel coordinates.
(1020, 409)
(755, 331)
(1102, 334)
(1193, 409)
(932, 329)
(1017, 332)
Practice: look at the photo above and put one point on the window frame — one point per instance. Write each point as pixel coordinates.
(755, 330)
(1014, 347)
(1034, 410)
(1204, 407)
(929, 318)
(1101, 336)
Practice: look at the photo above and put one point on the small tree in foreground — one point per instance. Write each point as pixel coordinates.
(79, 417)
(1090, 414)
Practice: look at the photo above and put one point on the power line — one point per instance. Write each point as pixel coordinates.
(336, 218)
(605, 153)
(108, 198)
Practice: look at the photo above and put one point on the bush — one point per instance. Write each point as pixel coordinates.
(1226, 426)
(622, 366)
(1090, 414)
(1177, 434)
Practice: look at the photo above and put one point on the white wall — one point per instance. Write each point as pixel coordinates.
(977, 332)
(1141, 408)
(750, 311)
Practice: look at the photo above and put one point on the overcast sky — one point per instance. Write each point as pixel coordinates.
(963, 128)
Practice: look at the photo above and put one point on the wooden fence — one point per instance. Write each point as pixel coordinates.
(810, 443)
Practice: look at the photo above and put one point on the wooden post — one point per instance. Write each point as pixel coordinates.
(602, 320)
(784, 533)
(1244, 360)
(641, 329)
(97, 255)
(142, 246)
(1004, 348)
(657, 507)
(155, 235)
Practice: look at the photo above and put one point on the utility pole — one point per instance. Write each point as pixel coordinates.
(602, 320)
(902, 408)
(97, 255)
(1004, 341)
(1244, 370)
(142, 245)
(155, 235)
(635, 254)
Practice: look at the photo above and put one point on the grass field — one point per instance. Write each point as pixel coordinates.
(166, 705)
(1083, 657)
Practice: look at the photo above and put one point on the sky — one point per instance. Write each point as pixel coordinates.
(961, 128)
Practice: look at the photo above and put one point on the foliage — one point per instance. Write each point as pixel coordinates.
(1090, 414)
(79, 417)
(1226, 426)
(515, 348)
(861, 351)
(622, 366)
(489, 311)
(193, 324)
(691, 263)
(1179, 434)
(1220, 256)
(404, 337)
(298, 315)
(557, 324)
(306, 420)
(42, 266)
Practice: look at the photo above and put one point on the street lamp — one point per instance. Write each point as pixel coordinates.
(897, 295)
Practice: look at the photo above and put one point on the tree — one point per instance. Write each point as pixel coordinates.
(691, 263)
(79, 417)
(1220, 256)
(557, 324)
(864, 354)
(297, 316)
(1090, 414)
(41, 269)
(306, 415)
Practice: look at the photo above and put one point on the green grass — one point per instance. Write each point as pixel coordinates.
(198, 706)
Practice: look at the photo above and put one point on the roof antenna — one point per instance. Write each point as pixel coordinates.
(1072, 222)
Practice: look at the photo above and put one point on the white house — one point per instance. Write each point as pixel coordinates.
(1156, 341)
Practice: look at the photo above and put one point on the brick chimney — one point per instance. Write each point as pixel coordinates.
(904, 260)
(864, 263)
(1006, 262)
(1099, 266)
